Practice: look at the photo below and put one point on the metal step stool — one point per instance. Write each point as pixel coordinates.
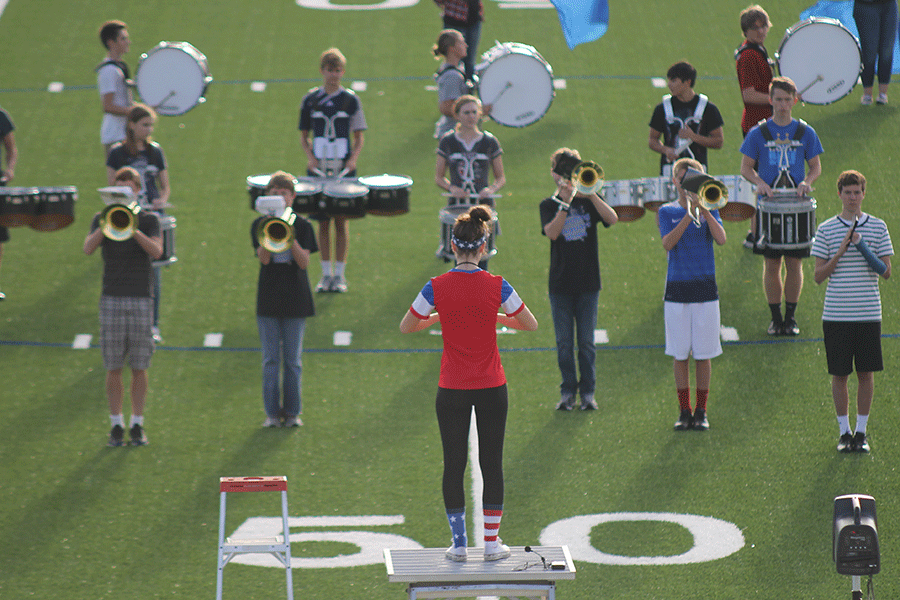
(279, 546)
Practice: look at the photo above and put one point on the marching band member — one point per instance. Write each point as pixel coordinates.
(331, 133)
(692, 297)
(450, 78)
(466, 300)
(112, 83)
(471, 155)
(7, 134)
(283, 303)
(852, 250)
(776, 153)
(569, 219)
(687, 122)
(126, 312)
(754, 68)
(140, 152)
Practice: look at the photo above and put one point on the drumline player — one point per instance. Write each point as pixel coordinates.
(466, 17)
(450, 78)
(11, 159)
(471, 155)
(144, 155)
(852, 250)
(283, 303)
(692, 297)
(778, 153)
(126, 312)
(569, 220)
(467, 300)
(113, 82)
(684, 115)
(331, 133)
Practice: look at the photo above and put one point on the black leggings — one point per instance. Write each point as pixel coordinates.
(454, 414)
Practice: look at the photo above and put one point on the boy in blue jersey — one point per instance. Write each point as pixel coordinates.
(852, 250)
(692, 297)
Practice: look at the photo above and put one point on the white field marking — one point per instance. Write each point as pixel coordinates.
(327, 5)
(559, 84)
(359, 86)
(529, 4)
(600, 337)
(728, 334)
(257, 86)
(342, 338)
(658, 82)
(55, 87)
(3, 4)
(431, 88)
(476, 537)
(82, 341)
(213, 340)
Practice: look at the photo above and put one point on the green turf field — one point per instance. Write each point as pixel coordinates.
(79, 520)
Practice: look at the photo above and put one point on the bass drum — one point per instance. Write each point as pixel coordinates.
(172, 78)
(518, 83)
(822, 57)
(55, 208)
(388, 194)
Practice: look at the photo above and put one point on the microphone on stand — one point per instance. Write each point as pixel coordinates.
(543, 560)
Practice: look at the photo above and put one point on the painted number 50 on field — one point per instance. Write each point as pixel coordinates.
(713, 539)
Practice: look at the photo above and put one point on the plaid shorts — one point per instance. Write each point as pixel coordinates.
(125, 331)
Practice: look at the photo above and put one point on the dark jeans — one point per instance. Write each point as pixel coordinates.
(877, 25)
(575, 313)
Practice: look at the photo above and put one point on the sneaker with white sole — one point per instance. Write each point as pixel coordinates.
(324, 284)
(272, 422)
(866, 100)
(457, 553)
(496, 550)
(882, 99)
(138, 435)
(293, 422)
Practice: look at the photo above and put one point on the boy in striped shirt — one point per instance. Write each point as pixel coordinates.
(852, 250)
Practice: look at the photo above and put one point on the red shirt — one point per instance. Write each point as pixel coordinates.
(753, 70)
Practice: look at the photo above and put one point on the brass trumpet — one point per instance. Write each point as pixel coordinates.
(712, 194)
(118, 221)
(276, 234)
(588, 177)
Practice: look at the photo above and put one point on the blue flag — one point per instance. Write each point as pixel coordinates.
(582, 20)
(843, 12)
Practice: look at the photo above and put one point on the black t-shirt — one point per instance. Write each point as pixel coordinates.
(126, 266)
(574, 266)
(283, 287)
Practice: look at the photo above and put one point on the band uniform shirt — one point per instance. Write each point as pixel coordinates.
(148, 163)
(783, 150)
(683, 113)
(470, 164)
(467, 302)
(852, 292)
(574, 262)
(753, 71)
(283, 287)
(111, 79)
(451, 84)
(691, 273)
(126, 266)
(332, 119)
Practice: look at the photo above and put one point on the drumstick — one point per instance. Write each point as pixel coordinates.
(818, 78)
(508, 85)
(163, 101)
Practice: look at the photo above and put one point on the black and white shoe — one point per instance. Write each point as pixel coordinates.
(845, 443)
(685, 421)
(790, 327)
(860, 443)
(116, 437)
(700, 423)
(138, 435)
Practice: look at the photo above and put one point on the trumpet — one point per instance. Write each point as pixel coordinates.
(118, 221)
(712, 194)
(276, 234)
(588, 177)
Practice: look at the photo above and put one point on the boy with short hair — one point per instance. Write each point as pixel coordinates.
(692, 313)
(852, 250)
(331, 133)
(112, 83)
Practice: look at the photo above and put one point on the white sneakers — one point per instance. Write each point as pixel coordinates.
(492, 551)
(457, 553)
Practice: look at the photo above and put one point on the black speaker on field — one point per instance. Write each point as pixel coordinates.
(856, 535)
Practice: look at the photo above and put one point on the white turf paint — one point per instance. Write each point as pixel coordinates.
(213, 340)
(476, 536)
(82, 341)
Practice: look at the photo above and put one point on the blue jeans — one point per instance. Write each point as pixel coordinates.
(877, 25)
(578, 314)
(281, 338)
(472, 35)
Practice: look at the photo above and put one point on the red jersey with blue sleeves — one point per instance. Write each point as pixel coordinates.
(468, 302)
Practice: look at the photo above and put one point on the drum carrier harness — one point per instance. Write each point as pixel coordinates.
(784, 179)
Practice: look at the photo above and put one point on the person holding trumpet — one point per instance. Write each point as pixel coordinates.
(283, 303)
(569, 220)
(688, 229)
(126, 303)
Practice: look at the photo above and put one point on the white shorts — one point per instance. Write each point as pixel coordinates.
(693, 329)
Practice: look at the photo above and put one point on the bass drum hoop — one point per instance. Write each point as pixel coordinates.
(168, 64)
(530, 98)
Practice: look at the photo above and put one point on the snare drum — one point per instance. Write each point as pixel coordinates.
(308, 194)
(656, 191)
(388, 194)
(625, 198)
(344, 197)
(55, 208)
(822, 57)
(18, 206)
(741, 198)
(448, 216)
(172, 78)
(786, 221)
(167, 230)
(256, 185)
(517, 81)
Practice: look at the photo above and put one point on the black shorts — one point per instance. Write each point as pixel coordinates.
(4, 234)
(848, 342)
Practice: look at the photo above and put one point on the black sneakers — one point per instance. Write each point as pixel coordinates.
(700, 421)
(845, 443)
(685, 421)
(850, 442)
(116, 436)
(138, 436)
(860, 444)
